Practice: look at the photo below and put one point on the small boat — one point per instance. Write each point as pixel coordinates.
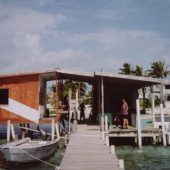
(27, 150)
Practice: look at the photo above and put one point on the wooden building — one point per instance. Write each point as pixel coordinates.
(23, 95)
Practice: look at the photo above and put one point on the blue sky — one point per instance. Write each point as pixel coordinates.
(83, 35)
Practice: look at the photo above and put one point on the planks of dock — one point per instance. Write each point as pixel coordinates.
(87, 151)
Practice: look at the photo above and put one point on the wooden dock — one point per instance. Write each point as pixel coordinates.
(132, 132)
(86, 151)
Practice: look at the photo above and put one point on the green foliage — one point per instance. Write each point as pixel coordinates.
(145, 103)
(158, 70)
(157, 101)
(74, 86)
(127, 69)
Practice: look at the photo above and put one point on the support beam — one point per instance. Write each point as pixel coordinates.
(121, 163)
(112, 149)
(106, 123)
(102, 93)
(102, 123)
(53, 129)
(163, 126)
(12, 132)
(163, 93)
(57, 131)
(153, 109)
(107, 140)
(138, 124)
(8, 130)
(69, 122)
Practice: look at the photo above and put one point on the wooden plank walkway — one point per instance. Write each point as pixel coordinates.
(86, 151)
(132, 132)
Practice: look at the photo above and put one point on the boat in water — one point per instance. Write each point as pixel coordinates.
(27, 150)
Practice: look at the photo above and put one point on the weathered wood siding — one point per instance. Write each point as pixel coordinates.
(23, 89)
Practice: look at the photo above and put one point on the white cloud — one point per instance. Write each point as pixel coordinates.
(23, 43)
(133, 46)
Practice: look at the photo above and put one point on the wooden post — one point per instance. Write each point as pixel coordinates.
(74, 126)
(52, 130)
(138, 124)
(107, 140)
(103, 135)
(12, 132)
(153, 109)
(153, 113)
(102, 123)
(102, 93)
(121, 163)
(162, 93)
(8, 130)
(77, 100)
(106, 123)
(57, 131)
(112, 149)
(69, 122)
(163, 126)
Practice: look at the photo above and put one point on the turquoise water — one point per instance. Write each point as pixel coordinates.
(147, 158)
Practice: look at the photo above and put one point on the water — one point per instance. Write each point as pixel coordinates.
(54, 160)
(147, 158)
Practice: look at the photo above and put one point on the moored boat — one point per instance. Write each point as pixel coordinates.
(27, 150)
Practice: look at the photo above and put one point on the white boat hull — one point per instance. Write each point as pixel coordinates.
(29, 151)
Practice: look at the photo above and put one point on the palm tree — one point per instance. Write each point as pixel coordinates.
(74, 86)
(127, 69)
(52, 96)
(159, 70)
(139, 71)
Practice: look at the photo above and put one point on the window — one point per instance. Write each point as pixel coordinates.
(167, 86)
(168, 98)
(4, 94)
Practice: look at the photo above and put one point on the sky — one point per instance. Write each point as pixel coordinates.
(83, 35)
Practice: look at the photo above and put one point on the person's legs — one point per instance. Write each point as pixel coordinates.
(83, 116)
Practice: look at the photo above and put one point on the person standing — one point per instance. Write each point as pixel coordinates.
(82, 109)
(124, 112)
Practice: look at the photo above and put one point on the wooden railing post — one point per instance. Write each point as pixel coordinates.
(163, 126)
(138, 124)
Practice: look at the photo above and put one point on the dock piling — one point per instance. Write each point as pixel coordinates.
(138, 124)
(8, 130)
(163, 126)
(107, 140)
(13, 132)
(112, 149)
(53, 129)
(121, 163)
(106, 123)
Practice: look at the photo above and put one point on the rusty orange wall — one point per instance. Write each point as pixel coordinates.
(24, 89)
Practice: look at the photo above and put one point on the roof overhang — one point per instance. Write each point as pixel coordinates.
(110, 78)
(128, 80)
(76, 76)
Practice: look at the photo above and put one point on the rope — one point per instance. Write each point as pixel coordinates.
(56, 167)
(63, 128)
